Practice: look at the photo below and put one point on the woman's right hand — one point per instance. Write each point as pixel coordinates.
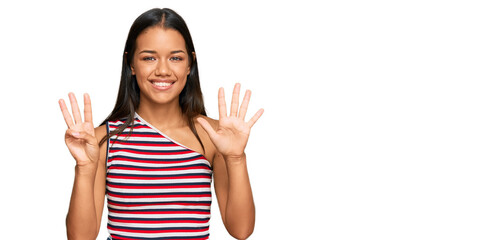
(79, 136)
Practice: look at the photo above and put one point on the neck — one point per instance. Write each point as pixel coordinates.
(162, 116)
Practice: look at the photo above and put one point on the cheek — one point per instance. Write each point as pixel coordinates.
(181, 69)
(144, 70)
(142, 75)
(181, 72)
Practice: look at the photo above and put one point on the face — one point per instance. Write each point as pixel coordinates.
(161, 65)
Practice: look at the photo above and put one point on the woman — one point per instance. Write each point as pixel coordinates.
(154, 155)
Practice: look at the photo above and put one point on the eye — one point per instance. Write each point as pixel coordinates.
(148, 58)
(176, 58)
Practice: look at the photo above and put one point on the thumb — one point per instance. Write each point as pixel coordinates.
(207, 127)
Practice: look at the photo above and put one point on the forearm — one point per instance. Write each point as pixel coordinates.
(81, 221)
(240, 209)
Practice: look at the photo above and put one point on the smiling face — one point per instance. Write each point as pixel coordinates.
(161, 65)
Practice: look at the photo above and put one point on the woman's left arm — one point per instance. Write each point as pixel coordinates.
(232, 184)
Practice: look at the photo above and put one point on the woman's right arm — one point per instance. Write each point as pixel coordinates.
(88, 195)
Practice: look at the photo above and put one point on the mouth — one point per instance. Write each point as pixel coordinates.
(162, 84)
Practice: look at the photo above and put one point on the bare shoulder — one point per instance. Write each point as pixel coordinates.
(100, 131)
(211, 121)
(210, 150)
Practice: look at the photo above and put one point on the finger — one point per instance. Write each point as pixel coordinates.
(222, 107)
(244, 105)
(255, 117)
(88, 113)
(75, 108)
(207, 127)
(235, 100)
(66, 114)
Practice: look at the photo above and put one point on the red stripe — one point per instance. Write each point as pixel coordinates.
(111, 205)
(115, 237)
(127, 130)
(160, 161)
(159, 221)
(158, 187)
(147, 135)
(153, 144)
(160, 196)
(146, 230)
(133, 168)
(178, 152)
(159, 212)
(159, 178)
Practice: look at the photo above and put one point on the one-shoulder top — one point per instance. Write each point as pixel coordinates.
(156, 188)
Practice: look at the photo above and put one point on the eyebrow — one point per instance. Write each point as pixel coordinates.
(153, 52)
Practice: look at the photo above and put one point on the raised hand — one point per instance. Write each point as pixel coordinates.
(79, 137)
(232, 134)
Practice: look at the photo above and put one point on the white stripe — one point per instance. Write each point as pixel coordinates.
(160, 165)
(144, 139)
(118, 123)
(151, 156)
(158, 235)
(169, 172)
(159, 181)
(115, 123)
(156, 207)
(159, 225)
(150, 216)
(157, 148)
(169, 199)
(135, 130)
(164, 190)
(144, 129)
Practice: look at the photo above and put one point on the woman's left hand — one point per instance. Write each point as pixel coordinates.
(232, 134)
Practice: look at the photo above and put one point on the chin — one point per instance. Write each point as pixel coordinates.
(159, 98)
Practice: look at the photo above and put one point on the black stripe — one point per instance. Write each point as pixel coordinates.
(161, 168)
(156, 159)
(117, 125)
(162, 238)
(200, 220)
(153, 203)
(156, 217)
(152, 151)
(158, 229)
(160, 184)
(139, 132)
(156, 193)
(144, 142)
(174, 211)
(159, 175)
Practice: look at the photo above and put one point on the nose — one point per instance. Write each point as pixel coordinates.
(163, 69)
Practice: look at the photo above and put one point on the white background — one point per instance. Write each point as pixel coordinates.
(383, 119)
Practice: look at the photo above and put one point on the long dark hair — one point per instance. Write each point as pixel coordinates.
(128, 99)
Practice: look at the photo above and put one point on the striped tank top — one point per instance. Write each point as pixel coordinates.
(156, 188)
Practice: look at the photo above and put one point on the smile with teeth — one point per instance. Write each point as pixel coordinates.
(162, 84)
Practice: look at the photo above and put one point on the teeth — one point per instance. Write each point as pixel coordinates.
(162, 84)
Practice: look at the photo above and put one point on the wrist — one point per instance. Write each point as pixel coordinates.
(85, 171)
(235, 159)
